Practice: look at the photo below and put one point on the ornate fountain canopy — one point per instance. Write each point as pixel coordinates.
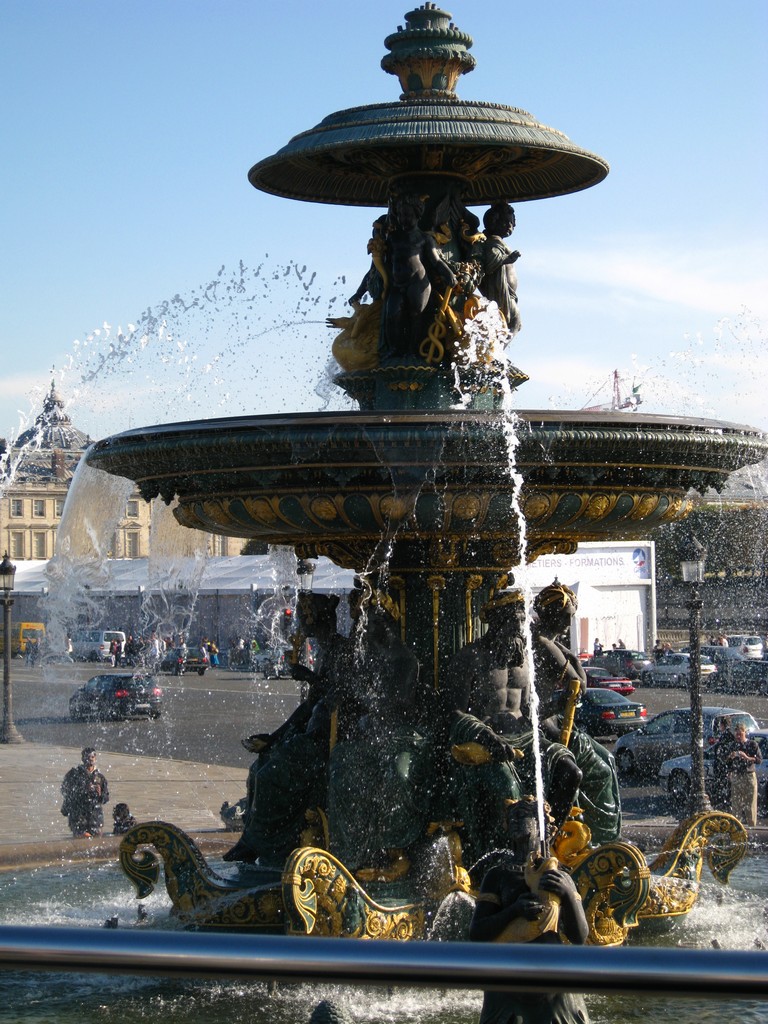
(356, 157)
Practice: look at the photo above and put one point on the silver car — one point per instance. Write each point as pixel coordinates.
(675, 774)
(675, 670)
(749, 646)
(668, 734)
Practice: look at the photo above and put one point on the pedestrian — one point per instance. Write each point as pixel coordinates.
(658, 651)
(741, 774)
(597, 649)
(621, 645)
(721, 787)
(122, 818)
(213, 654)
(85, 791)
(156, 651)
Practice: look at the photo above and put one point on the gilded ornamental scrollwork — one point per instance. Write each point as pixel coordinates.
(323, 898)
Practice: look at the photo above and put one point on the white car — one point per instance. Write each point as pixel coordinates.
(675, 670)
(749, 646)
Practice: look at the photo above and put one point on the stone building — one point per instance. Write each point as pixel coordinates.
(37, 472)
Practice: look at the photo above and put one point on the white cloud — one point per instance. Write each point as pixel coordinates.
(712, 280)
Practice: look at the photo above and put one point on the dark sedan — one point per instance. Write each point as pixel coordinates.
(116, 696)
(181, 660)
(605, 713)
(623, 662)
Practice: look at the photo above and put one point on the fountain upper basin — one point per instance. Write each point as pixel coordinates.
(323, 479)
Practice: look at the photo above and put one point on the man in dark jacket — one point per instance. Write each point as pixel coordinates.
(85, 791)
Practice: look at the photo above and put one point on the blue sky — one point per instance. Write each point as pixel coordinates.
(129, 129)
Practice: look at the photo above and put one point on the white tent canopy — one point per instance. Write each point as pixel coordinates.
(234, 574)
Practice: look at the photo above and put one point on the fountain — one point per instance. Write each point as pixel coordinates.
(436, 493)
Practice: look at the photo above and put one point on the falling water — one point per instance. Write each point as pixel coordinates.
(80, 566)
(177, 560)
(488, 335)
(80, 570)
(252, 339)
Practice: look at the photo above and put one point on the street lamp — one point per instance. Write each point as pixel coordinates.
(693, 572)
(7, 577)
(305, 570)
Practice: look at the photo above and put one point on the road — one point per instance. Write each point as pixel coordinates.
(205, 717)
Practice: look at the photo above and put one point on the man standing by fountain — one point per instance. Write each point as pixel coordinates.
(85, 791)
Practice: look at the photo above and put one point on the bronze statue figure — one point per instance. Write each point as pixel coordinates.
(499, 281)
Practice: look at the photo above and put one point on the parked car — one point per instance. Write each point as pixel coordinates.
(116, 695)
(605, 713)
(667, 735)
(96, 644)
(181, 660)
(601, 677)
(675, 773)
(623, 662)
(674, 669)
(749, 646)
(735, 673)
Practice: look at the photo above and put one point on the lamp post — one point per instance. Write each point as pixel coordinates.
(305, 570)
(693, 572)
(10, 733)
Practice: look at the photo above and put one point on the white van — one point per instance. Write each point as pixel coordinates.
(96, 644)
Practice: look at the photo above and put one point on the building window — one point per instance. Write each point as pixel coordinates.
(132, 545)
(17, 544)
(17, 507)
(38, 508)
(132, 510)
(38, 545)
(58, 507)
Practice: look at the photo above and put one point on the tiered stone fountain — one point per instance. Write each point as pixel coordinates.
(435, 489)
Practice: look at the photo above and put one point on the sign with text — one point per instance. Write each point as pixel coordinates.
(596, 564)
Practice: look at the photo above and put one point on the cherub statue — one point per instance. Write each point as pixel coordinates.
(356, 348)
(499, 282)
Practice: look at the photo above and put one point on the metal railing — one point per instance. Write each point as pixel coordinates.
(517, 967)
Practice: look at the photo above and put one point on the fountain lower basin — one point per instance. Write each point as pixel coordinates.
(732, 916)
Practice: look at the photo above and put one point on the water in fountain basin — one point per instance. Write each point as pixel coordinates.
(86, 896)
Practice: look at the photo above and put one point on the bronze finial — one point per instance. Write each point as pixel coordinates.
(429, 54)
